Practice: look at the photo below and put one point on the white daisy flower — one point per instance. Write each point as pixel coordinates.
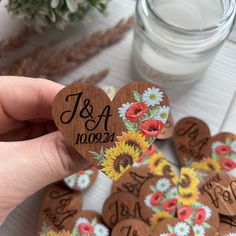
(147, 200)
(70, 180)
(182, 229)
(83, 181)
(164, 234)
(101, 230)
(233, 146)
(163, 114)
(163, 184)
(122, 110)
(81, 220)
(215, 145)
(173, 192)
(198, 230)
(152, 96)
(208, 212)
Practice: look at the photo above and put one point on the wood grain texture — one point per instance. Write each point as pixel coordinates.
(205, 99)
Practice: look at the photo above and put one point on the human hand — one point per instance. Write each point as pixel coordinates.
(32, 153)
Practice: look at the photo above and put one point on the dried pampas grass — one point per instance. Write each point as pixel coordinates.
(42, 62)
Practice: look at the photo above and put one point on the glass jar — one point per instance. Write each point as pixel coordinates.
(176, 40)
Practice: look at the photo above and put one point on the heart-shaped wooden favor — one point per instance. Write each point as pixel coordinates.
(111, 134)
(191, 137)
(60, 209)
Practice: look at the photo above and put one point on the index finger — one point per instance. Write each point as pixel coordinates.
(23, 99)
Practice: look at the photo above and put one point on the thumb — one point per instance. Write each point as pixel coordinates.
(28, 166)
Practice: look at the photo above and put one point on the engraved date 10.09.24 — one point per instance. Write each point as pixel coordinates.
(90, 121)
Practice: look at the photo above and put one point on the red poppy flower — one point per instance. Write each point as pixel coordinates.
(184, 212)
(156, 198)
(151, 150)
(170, 204)
(151, 127)
(227, 163)
(173, 234)
(200, 216)
(135, 111)
(223, 150)
(81, 172)
(85, 228)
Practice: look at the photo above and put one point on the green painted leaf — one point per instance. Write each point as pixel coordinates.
(130, 125)
(228, 141)
(89, 172)
(137, 96)
(153, 189)
(206, 225)
(170, 228)
(153, 112)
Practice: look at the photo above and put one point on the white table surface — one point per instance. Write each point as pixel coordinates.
(212, 99)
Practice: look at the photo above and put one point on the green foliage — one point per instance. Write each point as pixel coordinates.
(137, 96)
(130, 126)
(59, 13)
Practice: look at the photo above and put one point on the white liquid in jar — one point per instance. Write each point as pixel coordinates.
(186, 14)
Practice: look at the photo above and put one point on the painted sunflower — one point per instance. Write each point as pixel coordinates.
(119, 159)
(134, 139)
(207, 164)
(158, 217)
(165, 169)
(188, 198)
(188, 181)
(155, 159)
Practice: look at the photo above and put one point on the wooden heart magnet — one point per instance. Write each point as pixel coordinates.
(220, 189)
(60, 209)
(131, 227)
(82, 180)
(111, 134)
(121, 206)
(191, 137)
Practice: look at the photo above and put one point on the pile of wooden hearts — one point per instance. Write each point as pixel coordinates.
(215, 159)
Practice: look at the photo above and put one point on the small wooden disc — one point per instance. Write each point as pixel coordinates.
(168, 130)
(132, 180)
(82, 180)
(220, 189)
(191, 137)
(60, 208)
(131, 227)
(158, 195)
(121, 206)
(173, 226)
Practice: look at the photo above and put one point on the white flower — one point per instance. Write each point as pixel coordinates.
(215, 145)
(233, 146)
(230, 234)
(83, 181)
(70, 180)
(164, 234)
(182, 229)
(163, 114)
(137, 164)
(147, 200)
(81, 221)
(122, 110)
(72, 5)
(198, 230)
(163, 184)
(208, 212)
(173, 193)
(152, 96)
(101, 230)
